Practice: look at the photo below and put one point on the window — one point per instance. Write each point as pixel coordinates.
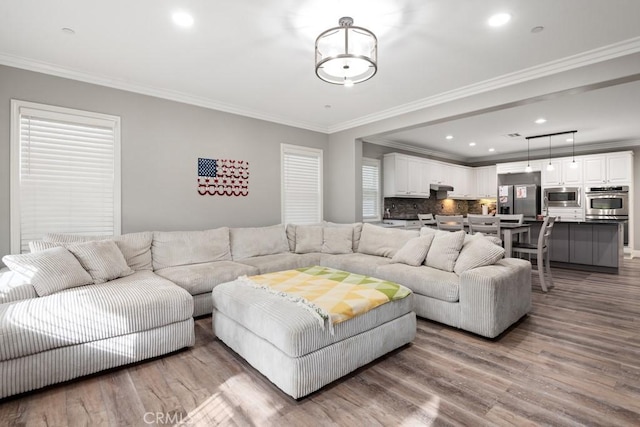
(370, 189)
(65, 173)
(301, 185)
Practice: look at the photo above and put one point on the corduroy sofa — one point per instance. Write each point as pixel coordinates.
(139, 301)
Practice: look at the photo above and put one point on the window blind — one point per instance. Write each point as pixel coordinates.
(301, 185)
(68, 175)
(370, 189)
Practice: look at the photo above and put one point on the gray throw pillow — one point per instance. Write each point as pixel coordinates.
(337, 240)
(49, 271)
(414, 251)
(102, 259)
(445, 249)
(308, 239)
(478, 252)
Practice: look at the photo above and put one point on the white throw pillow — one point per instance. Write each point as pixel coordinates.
(478, 252)
(445, 249)
(414, 251)
(102, 259)
(337, 240)
(380, 241)
(49, 271)
(136, 247)
(308, 239)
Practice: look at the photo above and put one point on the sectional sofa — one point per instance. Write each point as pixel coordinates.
(77, 305)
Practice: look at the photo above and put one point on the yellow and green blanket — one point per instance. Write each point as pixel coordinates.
(332, 295)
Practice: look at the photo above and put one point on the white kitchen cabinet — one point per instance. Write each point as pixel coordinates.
(486, 181)
(435, 172)
(403, 176)
(519, 167)
(562, 174)
(614, 168)
(460, 178)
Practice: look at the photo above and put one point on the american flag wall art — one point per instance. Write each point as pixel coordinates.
(223, 177)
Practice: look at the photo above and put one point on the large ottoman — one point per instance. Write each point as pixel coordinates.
(283, 339)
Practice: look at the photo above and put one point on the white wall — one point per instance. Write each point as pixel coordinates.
(161, 142)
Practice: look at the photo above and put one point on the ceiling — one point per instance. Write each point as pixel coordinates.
(255, 58)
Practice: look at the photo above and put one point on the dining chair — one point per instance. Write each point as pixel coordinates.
(540, 250)
(450, 222)
(486, 224)
(517, 219)
(422, 218)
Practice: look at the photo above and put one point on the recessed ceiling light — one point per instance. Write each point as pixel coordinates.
(492, 149)
(182, 19)
(499, 19)
(68, 30)
(541, 120)
(449, 137)
(472, 144)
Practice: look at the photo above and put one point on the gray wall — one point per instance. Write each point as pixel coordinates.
(161, 141)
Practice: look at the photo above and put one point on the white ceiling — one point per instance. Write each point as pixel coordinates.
(255, 57)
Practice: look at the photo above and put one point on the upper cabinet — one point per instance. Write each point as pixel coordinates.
(519, 167)
(565, 172)
(614, 168)
(403, 176)
(486, 181)
(460, 177)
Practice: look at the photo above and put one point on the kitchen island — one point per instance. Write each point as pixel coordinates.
(594, 245)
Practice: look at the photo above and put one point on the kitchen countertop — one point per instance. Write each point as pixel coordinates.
(586, 221)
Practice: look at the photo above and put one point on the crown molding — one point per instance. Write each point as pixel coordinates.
(565, 151)
(55, 70)
(616, 50)
(414, 149)
(625, 47)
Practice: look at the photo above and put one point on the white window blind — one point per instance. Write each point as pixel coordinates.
(301, 185)
(370, 189)
(65, 173)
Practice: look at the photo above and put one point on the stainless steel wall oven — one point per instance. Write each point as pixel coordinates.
(607, 202)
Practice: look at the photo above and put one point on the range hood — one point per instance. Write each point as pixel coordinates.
(441, 190)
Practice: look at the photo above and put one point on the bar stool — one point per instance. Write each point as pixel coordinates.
(540, 250)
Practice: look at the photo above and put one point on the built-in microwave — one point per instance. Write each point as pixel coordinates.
(562, 197)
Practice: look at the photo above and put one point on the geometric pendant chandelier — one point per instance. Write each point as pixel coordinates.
(346, 55)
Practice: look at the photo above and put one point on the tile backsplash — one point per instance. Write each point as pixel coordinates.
(409, 208)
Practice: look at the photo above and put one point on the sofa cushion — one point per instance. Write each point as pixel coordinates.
(308, 239)
(427, 281)
(255, 241)
(174, 248)
(202, 278)
(102, 259)
(382, 241)
(414, 251)
(280, 262)
(337, 240)
(477, 252)
(49, 271)
(493, 239)
(354, 263)
(356, 227)
(135, 247)
(139, 302)
(445, 249)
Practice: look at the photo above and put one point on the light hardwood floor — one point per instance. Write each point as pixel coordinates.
(574, 360)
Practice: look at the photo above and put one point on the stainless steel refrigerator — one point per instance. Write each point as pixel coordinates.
(519, 199)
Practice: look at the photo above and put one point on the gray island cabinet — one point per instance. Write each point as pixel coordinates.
(593, 245)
